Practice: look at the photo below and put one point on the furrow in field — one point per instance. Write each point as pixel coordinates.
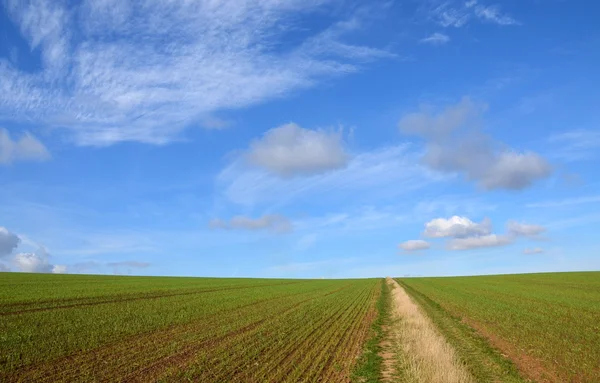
(289, 354)
(181, 360)
(340, 365)
(317, 366)
(128, 299)
(224, 363)
(132, 352)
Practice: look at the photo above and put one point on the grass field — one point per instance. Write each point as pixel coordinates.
(101, 328)
(547, 324)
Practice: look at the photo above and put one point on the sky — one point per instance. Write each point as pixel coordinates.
(299, 139)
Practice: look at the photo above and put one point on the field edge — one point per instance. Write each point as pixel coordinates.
(482, 360)
(368, 368)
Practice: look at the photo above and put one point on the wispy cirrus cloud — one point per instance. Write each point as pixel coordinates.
(436, 39)
(113, 71)
(576, 145)
(459, 13)
(565, 202)
(379, 172)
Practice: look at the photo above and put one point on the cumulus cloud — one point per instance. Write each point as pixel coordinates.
(26, 148)
(457, 227)
(523, 229)
(273, 222)
(106, 75)
(414, 245)
(535, 250)
(8, 242)
(457, 144)
(490, 240)
(291, 150)
(37, 262)
(436, 39)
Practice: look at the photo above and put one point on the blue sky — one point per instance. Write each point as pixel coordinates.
(299, 138)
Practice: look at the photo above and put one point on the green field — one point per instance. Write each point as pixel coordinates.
(547, 324)
(101, 328)
(507, 328)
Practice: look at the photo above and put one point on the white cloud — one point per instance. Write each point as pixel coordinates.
(457, 227)
(523, 229)
(290, 150)
(436, 39)
(108, 76)
(8, 242)
(26, 148)
(490, 240)
(494, 15)
(535, 250)
(414, 245)
(378, 172)
(456, 144)
(37, 262)
(274, 222)
(59, 269)
(459, 13)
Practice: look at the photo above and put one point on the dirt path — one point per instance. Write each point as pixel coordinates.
(415, 352)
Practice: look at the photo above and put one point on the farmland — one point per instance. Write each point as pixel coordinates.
(545, 325)
(101, 328)
(505, 328)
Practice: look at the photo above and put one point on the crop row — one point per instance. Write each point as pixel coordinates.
(225, 332)
(548, 324)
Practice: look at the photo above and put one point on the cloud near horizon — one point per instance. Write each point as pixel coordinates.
(37, 262)
(464, 234)
(8, 242)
